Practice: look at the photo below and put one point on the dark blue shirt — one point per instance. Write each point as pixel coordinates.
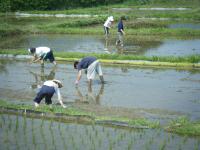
(120, 26)
(85, 62)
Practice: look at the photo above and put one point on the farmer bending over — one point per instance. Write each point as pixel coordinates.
(92, 65)
(42, 54)
(47, 90)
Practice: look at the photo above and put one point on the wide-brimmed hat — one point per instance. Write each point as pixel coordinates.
(58, 82)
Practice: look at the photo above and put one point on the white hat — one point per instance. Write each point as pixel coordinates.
(111, 18)
(58, 82)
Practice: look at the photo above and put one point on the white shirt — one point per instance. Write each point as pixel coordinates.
(41, 51)
(108, 23)
(53, 84)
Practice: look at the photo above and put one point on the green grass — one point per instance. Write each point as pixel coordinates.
(78, 55)
(88, 26)
(183, 126)
(180, 126)
(71, 111)
(9, 30)
(93, 25)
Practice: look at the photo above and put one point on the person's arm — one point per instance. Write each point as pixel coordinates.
(122, 31)
(35, 58)
(59, 97)
(78, 77)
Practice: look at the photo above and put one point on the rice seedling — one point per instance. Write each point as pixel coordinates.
(163, 145)
(16, 123)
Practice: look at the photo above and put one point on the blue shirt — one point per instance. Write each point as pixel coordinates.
(85, 62)
(120, 26)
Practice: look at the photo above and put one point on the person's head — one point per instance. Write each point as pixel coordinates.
(59, 83)
(31, 50)
(111, 18)
(76, 64)
(122, 18)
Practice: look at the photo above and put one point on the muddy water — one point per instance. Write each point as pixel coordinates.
(145, 45)
(152, 91)
(173, 47)
(185, 26)
(23, 133)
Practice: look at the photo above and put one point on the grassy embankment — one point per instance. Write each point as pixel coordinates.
(170, 61)
(180, 126)
(76, 113)
(93, 25)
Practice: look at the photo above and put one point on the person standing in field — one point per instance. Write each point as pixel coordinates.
(107, 25)
(120, 32)
(47, 91)
(42, 54)
(92, 66)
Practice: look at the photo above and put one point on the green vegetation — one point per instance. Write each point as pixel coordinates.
(10, 25)
(139, 60)
(92, 25)
(74, 112)
(14, 5)
(110, 58)
(180, 126)
(8, 30)
(184, 127)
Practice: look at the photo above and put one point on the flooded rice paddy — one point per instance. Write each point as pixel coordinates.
(195, 26)
(18, 132)
(153, 92)
(145, 45)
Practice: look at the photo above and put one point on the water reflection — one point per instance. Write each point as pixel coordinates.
(42, 76)
(138, 45)
(21, 132)
(90, 96)
(120, 49)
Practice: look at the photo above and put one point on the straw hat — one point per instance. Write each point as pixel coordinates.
(58, 82)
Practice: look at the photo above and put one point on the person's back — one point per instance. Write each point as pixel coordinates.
(85, 62)
(107, 25)
(120, 26)
(40, 51)
(92, 65)
(108, 22)
(120, 32)
(42, 54)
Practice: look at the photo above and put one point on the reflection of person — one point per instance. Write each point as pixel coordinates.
(47, 91)
(90, 97)
(120, 32)
(120, 49)
(42, 54)
(39, 78)
(92, 65)
(107, 25)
